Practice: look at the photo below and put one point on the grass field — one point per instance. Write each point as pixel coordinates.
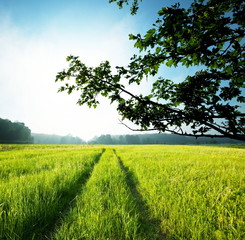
(122, 192)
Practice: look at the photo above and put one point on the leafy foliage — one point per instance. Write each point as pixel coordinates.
(134, 8)
(210, 34)
(15, 132)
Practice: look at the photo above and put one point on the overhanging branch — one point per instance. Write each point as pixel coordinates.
(138, 98)
(182, 133)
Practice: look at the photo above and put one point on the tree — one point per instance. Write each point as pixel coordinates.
(15, 132)
(132, 139)
(210, 34)
(104, 139)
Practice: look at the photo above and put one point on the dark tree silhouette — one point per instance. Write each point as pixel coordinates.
(210, 34)
(15, 132)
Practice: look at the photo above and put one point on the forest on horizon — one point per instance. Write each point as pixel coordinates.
(18, 133)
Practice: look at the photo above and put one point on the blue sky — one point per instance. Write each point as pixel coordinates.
(36, 37)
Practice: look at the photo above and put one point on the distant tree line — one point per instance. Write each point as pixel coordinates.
(14, 132)
(17, 132)
(55, 139)
(157, 139)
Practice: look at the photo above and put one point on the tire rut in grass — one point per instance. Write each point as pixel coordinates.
(149, 225)
(47, 231)
(106, 209)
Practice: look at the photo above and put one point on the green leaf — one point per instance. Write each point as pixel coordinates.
(170, 62)
(241, 99)
(229, 69)
(158, 50)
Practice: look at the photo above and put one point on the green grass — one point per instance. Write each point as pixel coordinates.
(31, 200)
(105, 209)
(195, 192)
(122, 192)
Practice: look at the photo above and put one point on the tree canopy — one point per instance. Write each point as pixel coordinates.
(210, 35)
(14, 132)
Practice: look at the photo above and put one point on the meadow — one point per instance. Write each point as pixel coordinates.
(147, 192)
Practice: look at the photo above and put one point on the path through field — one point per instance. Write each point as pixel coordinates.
(122, 192)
